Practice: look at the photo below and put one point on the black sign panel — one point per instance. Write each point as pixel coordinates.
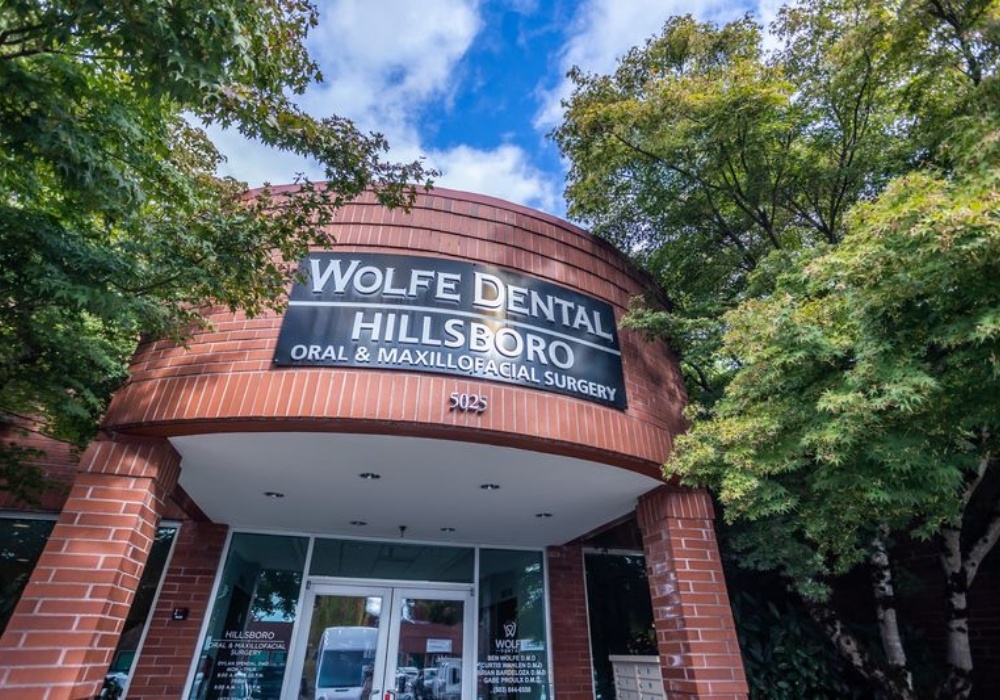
(451, 317)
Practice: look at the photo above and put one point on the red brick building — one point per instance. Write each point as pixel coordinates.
(389, 488)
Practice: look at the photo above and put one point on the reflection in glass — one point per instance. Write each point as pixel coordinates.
(402, 561)
(21, 543)
(429, 658)
(340, 652)
(250, 629)
(620, 612)
(513, 661)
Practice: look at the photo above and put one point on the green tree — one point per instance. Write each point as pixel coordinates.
(866, 407)
(754, 186)
(701, 158)
(113, 222)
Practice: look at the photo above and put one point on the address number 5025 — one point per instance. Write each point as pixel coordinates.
(467, 403)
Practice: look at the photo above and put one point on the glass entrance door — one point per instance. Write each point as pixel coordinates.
(383, 643)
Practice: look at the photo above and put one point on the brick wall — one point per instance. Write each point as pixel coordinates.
(699, 653)
(59, 642)
(571, 672)
(170, 646)
(225, 380)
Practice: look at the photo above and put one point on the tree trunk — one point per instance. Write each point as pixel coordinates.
(885, 608)
(958, 681)
(848, 645)
(960, 568)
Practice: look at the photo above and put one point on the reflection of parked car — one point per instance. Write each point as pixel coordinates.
(114, 684)
(424, 686)
(411, 673)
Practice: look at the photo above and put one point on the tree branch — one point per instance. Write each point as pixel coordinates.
(983, 546)
(847, 644)
(705, 184)
(947, 14)
(984, 463)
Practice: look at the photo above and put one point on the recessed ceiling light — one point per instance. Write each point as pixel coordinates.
(358, 523)
(274, 494)
(543, 515)
(489, 487)
(447, 529)
(370, 476)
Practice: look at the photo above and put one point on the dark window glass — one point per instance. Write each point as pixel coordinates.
(21, 543)
(250, 629)
(392, 560)
(513, 658)
(620, 612)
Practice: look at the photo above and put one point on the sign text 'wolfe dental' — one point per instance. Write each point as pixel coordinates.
(451, 317)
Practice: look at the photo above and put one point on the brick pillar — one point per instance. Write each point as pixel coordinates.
(60, 640)
(572, 672)
(171, 645)
(699, 654)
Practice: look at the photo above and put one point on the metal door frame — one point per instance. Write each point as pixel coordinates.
(392, 592)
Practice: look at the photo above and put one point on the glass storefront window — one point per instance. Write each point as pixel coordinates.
(416, 621)
(620, 612)
(249, 634)
(21, 543)
(392, 560)
(513, 659)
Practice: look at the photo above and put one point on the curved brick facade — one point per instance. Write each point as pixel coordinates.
(64, 631)
(225, 379)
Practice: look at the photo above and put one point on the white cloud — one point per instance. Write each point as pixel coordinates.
(383, 61)
(767, 12)
(504, 172)
(604, 30)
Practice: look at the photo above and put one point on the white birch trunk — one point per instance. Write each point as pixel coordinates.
(885, 607)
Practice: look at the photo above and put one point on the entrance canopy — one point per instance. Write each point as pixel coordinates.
(374, 485)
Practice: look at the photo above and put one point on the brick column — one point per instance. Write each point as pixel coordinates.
(572, 670)
(699, 654)
(171, 645)
(60, 640)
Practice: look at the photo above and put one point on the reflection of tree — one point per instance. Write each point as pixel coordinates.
(443, 612)
(21, 543)
(531, 600)
(618, 590)
(341, 611)
(513, 592)
(276, 594)
(150, 581)
(620, 613)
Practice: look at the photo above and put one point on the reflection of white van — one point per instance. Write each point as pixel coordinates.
(345, 662)
(449, 680)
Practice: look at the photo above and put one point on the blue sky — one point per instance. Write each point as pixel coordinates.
(473, 86)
